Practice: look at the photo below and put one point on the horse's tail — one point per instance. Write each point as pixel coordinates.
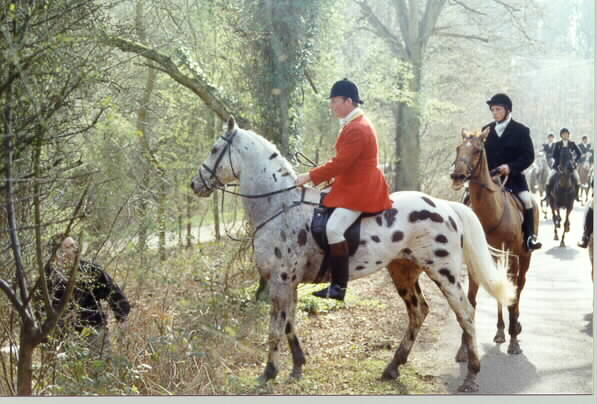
(481, 266)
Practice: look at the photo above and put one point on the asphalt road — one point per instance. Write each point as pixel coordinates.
(557, 320)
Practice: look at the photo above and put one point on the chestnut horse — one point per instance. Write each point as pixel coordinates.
(500, 214)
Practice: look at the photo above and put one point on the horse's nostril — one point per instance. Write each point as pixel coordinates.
(192, 185)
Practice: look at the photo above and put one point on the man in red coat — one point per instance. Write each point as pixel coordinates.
(359, 185)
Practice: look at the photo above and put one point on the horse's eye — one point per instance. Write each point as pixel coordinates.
(214, 150)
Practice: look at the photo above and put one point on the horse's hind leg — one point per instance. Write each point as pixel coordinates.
(515, 327)
(298, 357)
(405, 274)
(500, 336)
(465, 314)
(473, 288)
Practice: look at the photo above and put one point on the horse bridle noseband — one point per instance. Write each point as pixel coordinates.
(222, 187)
(228, 139)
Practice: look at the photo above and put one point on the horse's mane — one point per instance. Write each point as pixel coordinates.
(271, 149)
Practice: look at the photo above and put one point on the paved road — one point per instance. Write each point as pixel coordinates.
(557, 319)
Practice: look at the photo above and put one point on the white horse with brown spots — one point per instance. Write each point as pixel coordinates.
(419, 234)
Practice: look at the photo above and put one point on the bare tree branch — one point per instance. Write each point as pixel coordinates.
(433, 9)
(5, 287)
(463, 36)
(472, 10)
(380, 29)
(507, 6)
(197, 83)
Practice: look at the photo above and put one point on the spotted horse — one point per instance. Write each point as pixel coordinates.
(418, 234)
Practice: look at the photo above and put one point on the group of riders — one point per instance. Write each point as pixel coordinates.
(566, 150)
(576, 154)
(509, 150)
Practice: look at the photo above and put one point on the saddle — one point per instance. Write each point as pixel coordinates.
(352, 235)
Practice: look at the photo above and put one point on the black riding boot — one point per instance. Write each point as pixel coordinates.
(588, 230)
(528, 229)
(339, 262)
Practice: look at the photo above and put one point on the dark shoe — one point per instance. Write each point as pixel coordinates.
(332, 292)
(339, 262)
(532, 243)
(584, 243)
(528, 228)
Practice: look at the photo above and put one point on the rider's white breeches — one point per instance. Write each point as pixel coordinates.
(338, 223)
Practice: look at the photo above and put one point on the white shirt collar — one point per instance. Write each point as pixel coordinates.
(500, 127)
(344, 121)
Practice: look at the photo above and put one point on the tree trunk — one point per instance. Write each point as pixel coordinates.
(25, 363)
(189, 199)
(162, 216)
(142, 125)
(408, 147)
(210, 133)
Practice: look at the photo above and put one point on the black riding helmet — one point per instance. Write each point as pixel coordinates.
(564, 130)
(346, 88)
(500, 99)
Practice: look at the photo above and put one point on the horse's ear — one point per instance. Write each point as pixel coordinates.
(231, 123)
(485, 133)
(464, 133)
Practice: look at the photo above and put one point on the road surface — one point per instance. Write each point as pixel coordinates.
(556, 313)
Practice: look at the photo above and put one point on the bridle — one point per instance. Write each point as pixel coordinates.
(472, 179)
(472, 170)
(219, 185)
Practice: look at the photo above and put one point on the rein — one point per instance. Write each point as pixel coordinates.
(492, 174)
(218, 185)
(222, 187)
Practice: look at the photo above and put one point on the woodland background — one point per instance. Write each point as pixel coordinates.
(109, 106)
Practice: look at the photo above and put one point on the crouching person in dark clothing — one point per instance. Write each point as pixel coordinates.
(84, 314)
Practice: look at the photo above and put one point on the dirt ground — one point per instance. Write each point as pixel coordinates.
(348, 345)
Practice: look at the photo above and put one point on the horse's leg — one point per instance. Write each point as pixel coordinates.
(281, 294)
(465, 314)
(567, 221)
(473, 288)
(566, 227)
(405, 274)
(554, 216)
(500, 336)
(515, 327)
(298, 357)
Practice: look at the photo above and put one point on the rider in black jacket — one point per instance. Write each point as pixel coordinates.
(510, 151)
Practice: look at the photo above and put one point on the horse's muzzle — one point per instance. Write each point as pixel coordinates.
(199, 189)
(458, 177)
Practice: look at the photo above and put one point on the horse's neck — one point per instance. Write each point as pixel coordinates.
(486, 197)
(261, 174)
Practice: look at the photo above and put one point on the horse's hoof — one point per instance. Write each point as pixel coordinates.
(297, 374)
(514, 348)
(390, 374)
(499, 338)
(462, 354)
(469, 387)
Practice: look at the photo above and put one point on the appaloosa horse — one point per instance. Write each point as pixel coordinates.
(562, 196)
(419, 234)
(500, 213)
